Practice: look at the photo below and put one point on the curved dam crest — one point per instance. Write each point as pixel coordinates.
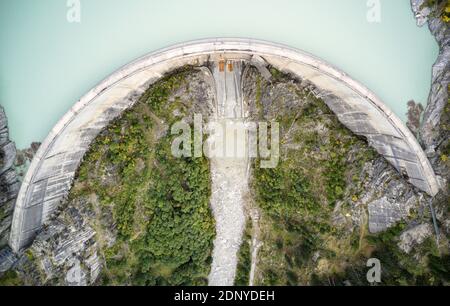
(53, 169)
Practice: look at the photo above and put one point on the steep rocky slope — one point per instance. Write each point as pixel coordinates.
(9, 187)
(435, 129)
(8, 180)
(331, 202)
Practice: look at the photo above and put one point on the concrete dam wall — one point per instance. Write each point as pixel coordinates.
(52, 170)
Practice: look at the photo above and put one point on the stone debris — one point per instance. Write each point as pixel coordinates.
(229, 186)
(76, 276)
(415, 236)
(229, 181)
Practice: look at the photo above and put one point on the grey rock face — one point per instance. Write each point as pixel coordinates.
(23, 159)
(431, 132)
(434, 131)
(383, 214)
(414, 236)
(389, 197)
(7, 259)
(415, 111)
(9, 185)
(65, 251)
(421, 13)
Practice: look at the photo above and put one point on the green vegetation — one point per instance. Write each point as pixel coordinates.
(398, 268)
(159, 203)
(244, 261)
(442, 8)
(298, 196)
(322, 166)
(10, 278)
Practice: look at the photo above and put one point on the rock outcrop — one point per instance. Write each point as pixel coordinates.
(414, 114)
(435, 128)
(414, 236)
(65, 251)
(389, 198)
(9, 185)
(24, 158)
(434, 131)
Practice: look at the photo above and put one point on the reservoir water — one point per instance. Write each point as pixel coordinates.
(48, 63)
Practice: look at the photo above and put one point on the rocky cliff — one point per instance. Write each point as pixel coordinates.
(434, 130)
(9, 187)
(435, 127)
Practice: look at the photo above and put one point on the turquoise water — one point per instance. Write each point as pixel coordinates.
(47, 63)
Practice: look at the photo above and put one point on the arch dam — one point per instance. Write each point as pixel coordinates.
(52, 171)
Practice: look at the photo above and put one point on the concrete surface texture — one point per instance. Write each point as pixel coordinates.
(52, 170)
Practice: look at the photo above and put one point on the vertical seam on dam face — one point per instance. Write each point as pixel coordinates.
(229, 181)
(63, 149)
